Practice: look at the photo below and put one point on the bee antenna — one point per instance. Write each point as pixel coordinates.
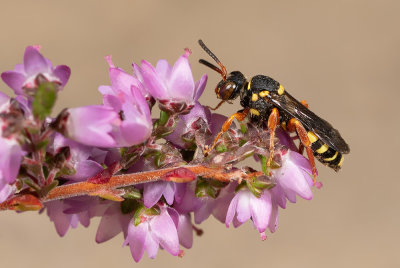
(222, 71)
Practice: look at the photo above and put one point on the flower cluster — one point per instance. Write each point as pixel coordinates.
(145, 177)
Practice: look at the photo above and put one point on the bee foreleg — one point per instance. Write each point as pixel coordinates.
(216, 107)
(240, 116)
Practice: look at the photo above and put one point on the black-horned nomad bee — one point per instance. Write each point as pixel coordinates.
(266, 100)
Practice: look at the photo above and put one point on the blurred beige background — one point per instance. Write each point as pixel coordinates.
(341, 56)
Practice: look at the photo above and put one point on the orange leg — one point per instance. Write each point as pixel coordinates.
(273, 121)
(295, 125)
(240, 116)
(301, 146)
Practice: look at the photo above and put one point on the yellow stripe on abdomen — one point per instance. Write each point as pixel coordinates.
(331, 158)
(312, 137)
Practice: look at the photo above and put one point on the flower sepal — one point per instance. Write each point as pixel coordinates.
(44, 97)
(208, 188)
(175, 107)
(257, 185)
(142, 213)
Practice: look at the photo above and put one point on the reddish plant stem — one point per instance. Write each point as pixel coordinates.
(118, 181)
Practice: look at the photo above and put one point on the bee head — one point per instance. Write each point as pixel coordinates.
(229, 88)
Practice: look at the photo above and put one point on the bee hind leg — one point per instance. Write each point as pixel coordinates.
(273, 121)
(296, 125)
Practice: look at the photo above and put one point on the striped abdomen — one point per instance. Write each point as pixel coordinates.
(325, 154)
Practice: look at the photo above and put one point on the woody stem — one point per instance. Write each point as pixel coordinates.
(118, 181)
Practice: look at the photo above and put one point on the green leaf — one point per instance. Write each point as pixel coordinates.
(44, 100)
(243, 128)
(132, 193)
(264, 164)
(164, 116)
(221, 148)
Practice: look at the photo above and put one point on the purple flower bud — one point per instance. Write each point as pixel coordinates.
(92, 125)
(24, 75)
(152, 232)
(171, 85)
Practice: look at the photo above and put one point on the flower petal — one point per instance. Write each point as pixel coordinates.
(231, 211)
(63, 73)
(200, 86)
(185, 231)
(164, 229)
(163, 69)
(91, 125)
(243, 207)
(152, 192)
(34, 62)
(136, 239)
(181, 81)
(153, 83)
(260, 209)
(14, 80)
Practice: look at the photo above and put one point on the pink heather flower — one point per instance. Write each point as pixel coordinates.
(126, 97)
(92, 125)
(245, 205)
(293, 178)
(189, 123)
(153, 191)
(168, 83)
(151, 233)
(10, 155)
(24, 75)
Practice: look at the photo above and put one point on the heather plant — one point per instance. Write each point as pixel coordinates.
(145, 177)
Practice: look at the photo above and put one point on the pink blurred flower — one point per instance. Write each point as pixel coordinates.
(24, 75)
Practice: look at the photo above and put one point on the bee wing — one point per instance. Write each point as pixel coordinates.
(323, 129)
